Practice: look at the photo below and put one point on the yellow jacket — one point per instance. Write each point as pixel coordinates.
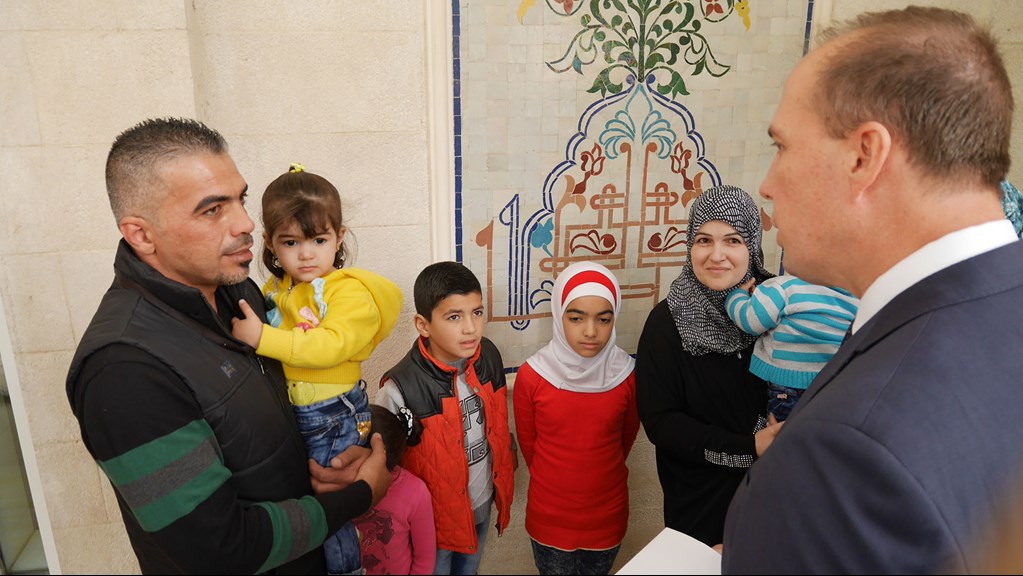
(322, 330)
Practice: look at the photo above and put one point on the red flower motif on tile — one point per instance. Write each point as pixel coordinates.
(591, 165)
(661, 243)
(712, 7)
(679, 165)
(593, 242)
(680, 159)
(593, 161)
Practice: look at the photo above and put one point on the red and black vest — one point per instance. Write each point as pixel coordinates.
(428, 387)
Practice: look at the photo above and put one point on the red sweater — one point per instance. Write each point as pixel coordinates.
(575, 445)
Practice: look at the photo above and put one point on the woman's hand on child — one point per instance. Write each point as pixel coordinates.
(765, 437)
(248, 329)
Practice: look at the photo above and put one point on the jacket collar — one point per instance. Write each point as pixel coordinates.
(130, 270)
(438, 367)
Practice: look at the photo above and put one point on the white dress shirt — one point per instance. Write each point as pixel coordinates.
(950, 249)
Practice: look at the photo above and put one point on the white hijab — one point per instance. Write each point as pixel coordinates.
(557, 362)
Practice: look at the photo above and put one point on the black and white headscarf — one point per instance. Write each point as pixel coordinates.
(699, 312)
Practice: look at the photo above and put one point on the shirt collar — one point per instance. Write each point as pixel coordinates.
(950, 249)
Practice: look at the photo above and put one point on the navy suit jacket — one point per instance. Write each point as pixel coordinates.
(896, 458)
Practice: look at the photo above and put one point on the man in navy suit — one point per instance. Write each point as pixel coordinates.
(892, 137)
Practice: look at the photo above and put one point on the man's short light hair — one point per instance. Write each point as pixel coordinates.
(934, 78)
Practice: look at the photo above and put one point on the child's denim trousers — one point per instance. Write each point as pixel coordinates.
(328, 427)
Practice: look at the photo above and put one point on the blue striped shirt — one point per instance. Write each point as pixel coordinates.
(800, 325)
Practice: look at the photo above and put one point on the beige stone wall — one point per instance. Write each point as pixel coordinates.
(342, 86)
(337, 85)
(74, 74)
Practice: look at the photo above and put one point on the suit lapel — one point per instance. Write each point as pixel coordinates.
(849, 349)
(982, 275)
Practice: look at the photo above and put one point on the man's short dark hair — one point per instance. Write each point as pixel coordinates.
(440, 280)
(137, 153)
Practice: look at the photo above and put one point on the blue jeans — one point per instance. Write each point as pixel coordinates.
(781, 400)
(449, 562)
(553, 561)
(328, 427)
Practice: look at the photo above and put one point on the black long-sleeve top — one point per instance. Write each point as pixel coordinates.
(700, 412)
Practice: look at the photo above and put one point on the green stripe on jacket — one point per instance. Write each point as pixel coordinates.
(298, 527)
(165, 479)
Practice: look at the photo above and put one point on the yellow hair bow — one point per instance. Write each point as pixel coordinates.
(296, 167)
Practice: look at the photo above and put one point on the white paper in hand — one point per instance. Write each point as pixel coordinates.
(672, 552)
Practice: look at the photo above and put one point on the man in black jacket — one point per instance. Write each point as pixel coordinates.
(193, 430)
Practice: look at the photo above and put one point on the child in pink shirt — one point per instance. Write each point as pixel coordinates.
(398, 535)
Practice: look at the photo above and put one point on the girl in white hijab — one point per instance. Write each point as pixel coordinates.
(576, 421)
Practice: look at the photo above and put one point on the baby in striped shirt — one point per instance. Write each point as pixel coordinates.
(800, 325)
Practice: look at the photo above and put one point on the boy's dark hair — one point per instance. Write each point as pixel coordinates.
(309, 199)
(395, 431)
(440, 280)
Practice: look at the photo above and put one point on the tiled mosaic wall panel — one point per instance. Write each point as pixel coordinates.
(583, 131)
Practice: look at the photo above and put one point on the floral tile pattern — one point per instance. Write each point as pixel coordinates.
(584, 129)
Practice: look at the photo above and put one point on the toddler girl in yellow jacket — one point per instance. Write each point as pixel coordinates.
(324, 320)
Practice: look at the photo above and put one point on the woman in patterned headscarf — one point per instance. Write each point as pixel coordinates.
(698, 402)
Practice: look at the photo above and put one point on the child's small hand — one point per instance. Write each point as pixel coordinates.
(748, 285)
(248, 329)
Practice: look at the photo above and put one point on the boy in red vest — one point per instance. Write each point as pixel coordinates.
(453, 381)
